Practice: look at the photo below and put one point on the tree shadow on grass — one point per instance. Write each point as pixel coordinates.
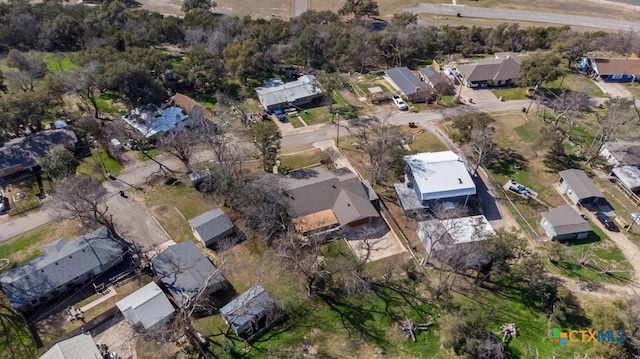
(358, 319)
(397, 297)
(504, 161)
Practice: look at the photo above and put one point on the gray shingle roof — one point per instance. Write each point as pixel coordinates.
(566, 221)
(79, 347)
(580, 184)
(211, 224)
(147, 306)
(247, 307)
(317, 189)
(60, 264)
(490, 70)
(405, 80)
(24, 152)
(184, 270)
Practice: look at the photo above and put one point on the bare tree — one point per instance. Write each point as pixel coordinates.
(618, 114)
(83, 81)
(181, 143)
(302, 256)
(384, 140)
(84, 197)
(21, 80)
(566, 106)
(481, 144)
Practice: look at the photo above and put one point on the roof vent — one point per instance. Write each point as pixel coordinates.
(460, 180)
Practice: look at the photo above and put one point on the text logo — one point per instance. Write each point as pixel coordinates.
(586, 336)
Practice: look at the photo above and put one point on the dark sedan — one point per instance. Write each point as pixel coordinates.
(606, 221)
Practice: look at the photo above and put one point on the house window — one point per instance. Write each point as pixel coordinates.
(616, 77)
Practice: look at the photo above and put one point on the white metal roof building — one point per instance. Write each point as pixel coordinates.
(629, 176)
(277, 94)
(148, 306)
(438, 234)
(79, 347)
(439, 175)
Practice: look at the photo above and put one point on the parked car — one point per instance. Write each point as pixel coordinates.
(606, 221)
(400, 104)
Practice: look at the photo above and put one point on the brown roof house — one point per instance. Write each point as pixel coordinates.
(612, 70)
(437, 79)
(189, 106)
(563, 223)
(499, 71)
(319, 199)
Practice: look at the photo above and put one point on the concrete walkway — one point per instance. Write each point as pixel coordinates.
(112, 292)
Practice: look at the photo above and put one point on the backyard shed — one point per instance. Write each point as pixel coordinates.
(250, 312)
(148, 307)
(212, 226)
(79, 347)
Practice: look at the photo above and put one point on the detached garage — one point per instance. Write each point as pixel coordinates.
(579, 188)
(564, 223)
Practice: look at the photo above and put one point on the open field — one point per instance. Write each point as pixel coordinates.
(574, 7)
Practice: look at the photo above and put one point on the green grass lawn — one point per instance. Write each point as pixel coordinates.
(314, 116)
(510, 93)
(296, 122)
(163, 201)
(605, 252)
(92, 165)
(58, 62)
(16, 341)
(301, 160)
(108, 103)
(425, 141)
(575, 82)
(152, 153)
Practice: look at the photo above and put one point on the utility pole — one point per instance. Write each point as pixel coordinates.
(338, 130)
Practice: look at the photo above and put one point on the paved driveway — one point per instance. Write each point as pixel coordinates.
(135, 223)
(480, 96)
(613, 89)
(117, 334)
(381, 242)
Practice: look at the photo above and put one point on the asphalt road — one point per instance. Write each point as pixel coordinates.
(520, 15)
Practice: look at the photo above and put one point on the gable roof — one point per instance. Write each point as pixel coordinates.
(317, 189)
(490, 70)
(280, 93)
(211, 224)
(184, 269)
(252, 304)
(618, 66)
(79, 347)
(21, 153)
(405, 80)
(565, 220)
(580, 184)
(186, 103)
(440, 175)
(626, 152)
(61, 262)
(147, 306)
(435, 77)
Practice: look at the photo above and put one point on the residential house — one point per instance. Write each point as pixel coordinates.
(628, 176)
(147, 307)
(22, 154)
(564, 223)
(279, 95)
(622, 152)
(187, 273)
(408, 85)
(212, 226)
(79, 347)
(63, 265)
(437, 235)
(251, 312)
(579, 187)
(151, 120)
(499, 71)
(319, 199)
(611, 70)
(439, 81)
(434, 177)
(189, 106)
